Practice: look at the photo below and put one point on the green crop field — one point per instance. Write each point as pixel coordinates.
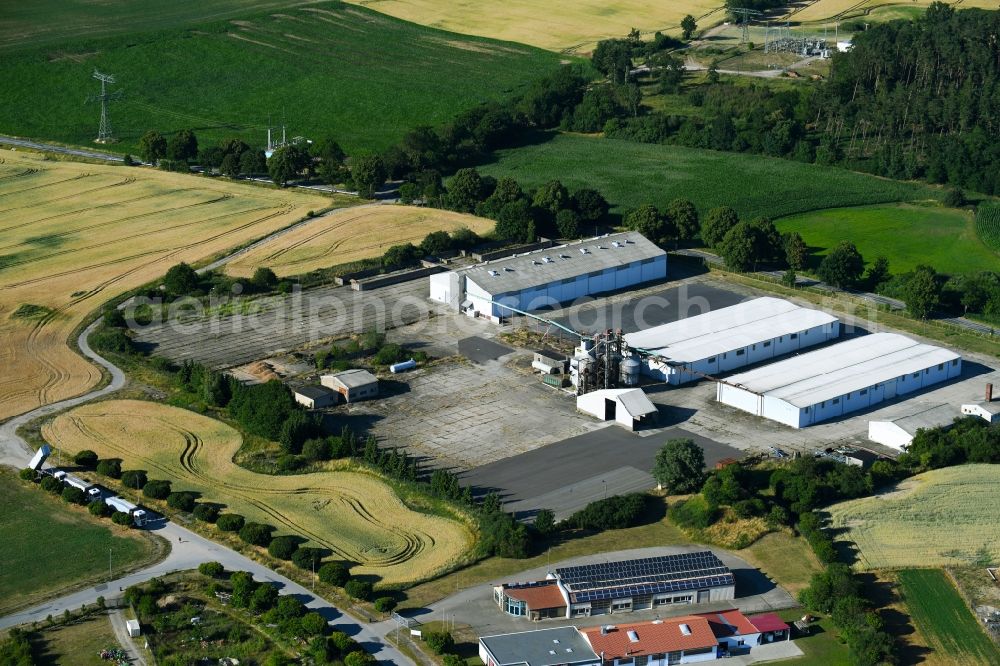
(907, 235)
(943, 618)
(630, 174)
(988, 225)
(325, 68)
(75, 545)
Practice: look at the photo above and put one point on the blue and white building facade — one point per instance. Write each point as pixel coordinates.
(549, 277)
(730, 338)
(839, 379)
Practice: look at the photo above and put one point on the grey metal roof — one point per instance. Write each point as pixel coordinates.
(843, 368)
(313, 392)
(542, 647)
(354, 378)
(541, 267)
(926, 417)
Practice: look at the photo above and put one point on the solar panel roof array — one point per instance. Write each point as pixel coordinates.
(651, 575)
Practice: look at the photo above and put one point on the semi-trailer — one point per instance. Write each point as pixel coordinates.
(92, 492)
(39, 458)
(118, 504)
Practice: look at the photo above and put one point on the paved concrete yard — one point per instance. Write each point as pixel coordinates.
(287, 322)
(474, 605)
(609, 460)
(464, 415)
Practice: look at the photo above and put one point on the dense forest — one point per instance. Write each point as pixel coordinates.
(911, 99)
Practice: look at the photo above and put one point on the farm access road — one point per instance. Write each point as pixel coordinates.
(187, 552)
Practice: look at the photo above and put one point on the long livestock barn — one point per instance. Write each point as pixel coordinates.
(730, 338)
(551, 276)
(839, 379)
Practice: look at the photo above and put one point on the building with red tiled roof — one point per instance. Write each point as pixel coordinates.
(771, 627)
(535, 600)
(679, 640)
(732, 629)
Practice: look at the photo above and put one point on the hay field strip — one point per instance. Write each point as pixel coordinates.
(73, 236)
(350, 235)
(354, 515)
(569, 25)
(938, 518)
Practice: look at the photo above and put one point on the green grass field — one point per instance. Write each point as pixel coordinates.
(51, 21)
(907, 235)
(943, 618)
(48, 546)
(630, 174)
(325, 68)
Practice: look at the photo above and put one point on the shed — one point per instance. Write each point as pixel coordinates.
(839, 379)
(315, 397)
(547, 277)
(354, 384)
(549, 362)
(133, 628)
(898, 432)
(988, 411)
(629, 407)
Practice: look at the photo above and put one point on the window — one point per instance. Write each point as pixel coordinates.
(954, 361)
(650, 260)
(940, 366)
(863, 392)
(767, 344)
(711, 360)
(793, 336)
(741, 352)
(836, 401)
(916, 375)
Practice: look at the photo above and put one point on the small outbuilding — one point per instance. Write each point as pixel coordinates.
(315, 397)
(988, 411)
(898, 433)
(550, 362)
(629, 407)
(354, 385)
(133, 628)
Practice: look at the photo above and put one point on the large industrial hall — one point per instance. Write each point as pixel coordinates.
(839, 379)
(548, 277)
(730, 338)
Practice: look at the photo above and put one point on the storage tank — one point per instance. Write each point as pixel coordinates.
(630, 371)
(402, 366)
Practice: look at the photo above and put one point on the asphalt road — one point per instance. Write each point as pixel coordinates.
(63, 150)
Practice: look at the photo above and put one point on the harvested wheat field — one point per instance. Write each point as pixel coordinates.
(358, 517)
(73, 236)
(941, 518)
(830, 9)
(351, 234)
(566, 25)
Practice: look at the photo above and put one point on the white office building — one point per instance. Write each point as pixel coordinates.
(729, 338)
(839, 379)
(544, 278)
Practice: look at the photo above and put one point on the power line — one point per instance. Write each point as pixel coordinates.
(104, 134)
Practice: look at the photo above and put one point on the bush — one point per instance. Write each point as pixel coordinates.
(183, 501)
(360, 658)
(954, 198)
(694, 513)
(316, 449)
(749, 508)
(358, 589)
(313, 624)
(282, 547)
(156, 489)
(334, 573)
(230, 522)
(121, 518)
(385, 604)
(289, 463)
(211, 569)
(439, 641)
(611, 513)
(207, 513)
(73, 495)
(453, 660)
(86, 458)
(52, 484)
(110, 467)
(389, 354)
(256, 534)
(134, 478)
(27, 474)
(307, 558)
(99, 509)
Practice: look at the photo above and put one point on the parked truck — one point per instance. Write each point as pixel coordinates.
(89, 489)
(39, 458)
(119, 504)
